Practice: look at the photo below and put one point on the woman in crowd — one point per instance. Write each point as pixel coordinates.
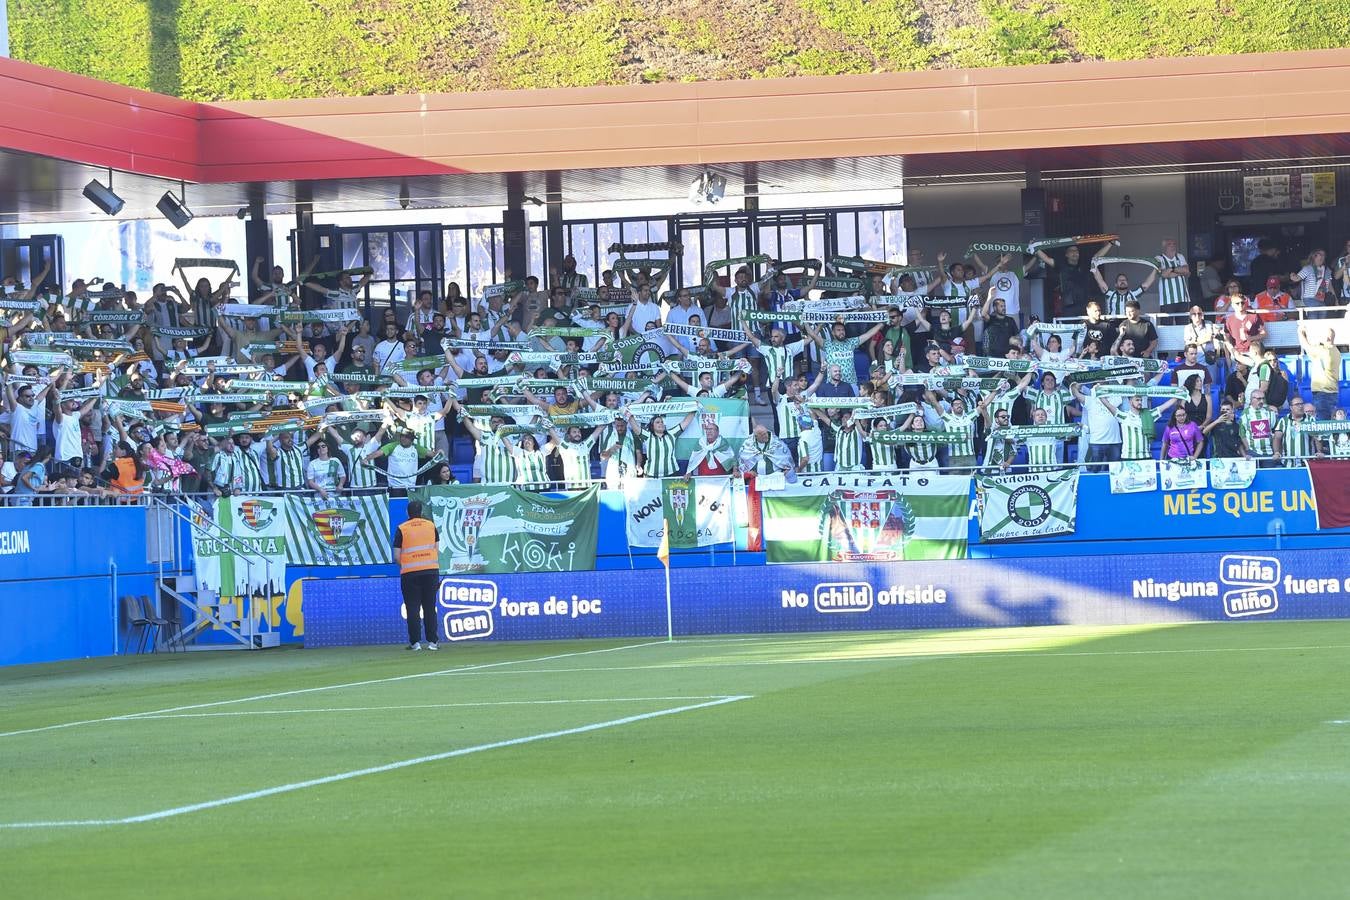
(1182, 438)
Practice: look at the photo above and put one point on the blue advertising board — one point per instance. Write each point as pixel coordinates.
(1104, 590)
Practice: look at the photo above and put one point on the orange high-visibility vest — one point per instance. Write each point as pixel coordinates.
(126, 481)
(418, 553)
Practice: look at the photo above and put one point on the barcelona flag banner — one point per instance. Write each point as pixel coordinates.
(345, 531)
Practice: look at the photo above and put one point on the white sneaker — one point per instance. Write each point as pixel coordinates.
(432, 645)
(414, 646)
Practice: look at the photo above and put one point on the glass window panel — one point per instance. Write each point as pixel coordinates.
(845, 234)
(691, 266)
(452, 240)
(896, 249)
(606, 234)
(792, 245)
(404, 262)
(377, 250)
(480, 261)
(353, 251)
(714, 244)
(536, 250)
(736, 245)
(581, 244)
(634, 232)
(426, 244)
(659, 231)
(815, 242)
(871, 239)
(499, 258)
(768, 241)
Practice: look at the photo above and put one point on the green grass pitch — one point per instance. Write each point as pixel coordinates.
(1187, 761)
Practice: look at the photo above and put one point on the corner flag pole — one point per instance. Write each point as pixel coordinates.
(663, 554)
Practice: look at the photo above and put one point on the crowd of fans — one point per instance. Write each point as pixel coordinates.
(846, 364)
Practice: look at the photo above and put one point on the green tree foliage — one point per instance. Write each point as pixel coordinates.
(1011, 35)
(263, 49)
(548, 44)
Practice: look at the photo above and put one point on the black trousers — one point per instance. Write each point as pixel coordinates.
(419, 602)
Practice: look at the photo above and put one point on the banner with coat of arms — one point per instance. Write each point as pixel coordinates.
(340, 531)
(696, 511)
(241, 549)
(835, 517)
(498, 530)
(1034, 505)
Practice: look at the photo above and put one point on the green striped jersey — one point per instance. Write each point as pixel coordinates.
(791, 417)
(242, 473)
(741, 302)
(576, 460)
(1116, 300)
(361, 476)
(290, 468)
(1053, 402)
(883, 455)
(531, 468)
(658, 450)
(778, 360)
(922, 454)
(423, 427)
(498, 466)
(1003, 401)
(998, 450)
(1258, 427)
(964, 423)
(847, 449)
(1043, 453)
(1295, 444)
(1136, 433)
(1172, 290)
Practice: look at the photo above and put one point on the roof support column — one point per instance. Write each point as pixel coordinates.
(515, 228)
(751, 198)
(1033, 228)
(257, 239)
(553, 229)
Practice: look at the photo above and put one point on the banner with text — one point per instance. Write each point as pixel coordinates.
(498, 529)
(859, 518)
(695, 511)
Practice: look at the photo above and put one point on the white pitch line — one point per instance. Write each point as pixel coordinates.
(372, 770)
(328, 687)
(339, 709)
(1003, 654)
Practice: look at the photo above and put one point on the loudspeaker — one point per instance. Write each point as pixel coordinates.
(103, 198)
(173, 209)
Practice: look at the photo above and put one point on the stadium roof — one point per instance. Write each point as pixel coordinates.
(794, 135)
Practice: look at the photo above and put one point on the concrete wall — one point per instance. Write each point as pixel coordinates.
(1156, 210)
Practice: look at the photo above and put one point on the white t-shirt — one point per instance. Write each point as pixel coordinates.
(7, 474)
(1006, 286)
(644, 314)
(1101, 425)
(403, 462)
(325, 472)
(68, 443)
(26, 424)
(388, 354)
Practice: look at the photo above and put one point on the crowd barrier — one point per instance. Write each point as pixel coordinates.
(62, 570)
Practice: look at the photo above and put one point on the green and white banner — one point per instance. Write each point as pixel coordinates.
(499, 530)
(836, 517)
(1013, 507)
(731, 416)
(339, 531)
(695, 511)
(241, 550)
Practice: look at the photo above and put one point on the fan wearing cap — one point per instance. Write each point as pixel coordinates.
(1273, 304)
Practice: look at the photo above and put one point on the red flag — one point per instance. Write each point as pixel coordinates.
(754, 531)
(1331, 488)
